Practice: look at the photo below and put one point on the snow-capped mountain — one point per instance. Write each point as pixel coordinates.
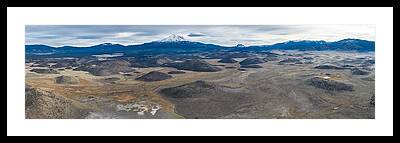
(173, 38)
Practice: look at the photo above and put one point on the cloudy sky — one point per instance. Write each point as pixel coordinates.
(228, 35)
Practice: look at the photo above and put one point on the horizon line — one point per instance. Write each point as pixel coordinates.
(193, 41)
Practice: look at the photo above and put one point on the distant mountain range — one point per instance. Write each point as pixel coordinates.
(175, 44)
(341, 45)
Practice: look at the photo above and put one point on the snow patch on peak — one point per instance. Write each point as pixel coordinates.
(173, 38)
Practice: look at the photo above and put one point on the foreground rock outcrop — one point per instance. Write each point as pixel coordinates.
(46, 105)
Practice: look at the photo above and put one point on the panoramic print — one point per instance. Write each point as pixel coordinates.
(199, 71)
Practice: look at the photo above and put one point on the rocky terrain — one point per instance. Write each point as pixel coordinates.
(194, 65)
(227, 60)
(111, 80)
(289, 60)
(104, 68)
(45, 71)
(270, 84)
(46, 105)
(330, 85)
(176, 72)
(154, 76)
(329, 67)
(201, 99)
(66, 80)
(251, 66)
(144, 62)
(251, 61)
(357, 71)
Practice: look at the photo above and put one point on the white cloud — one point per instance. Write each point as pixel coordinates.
(125, 34)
